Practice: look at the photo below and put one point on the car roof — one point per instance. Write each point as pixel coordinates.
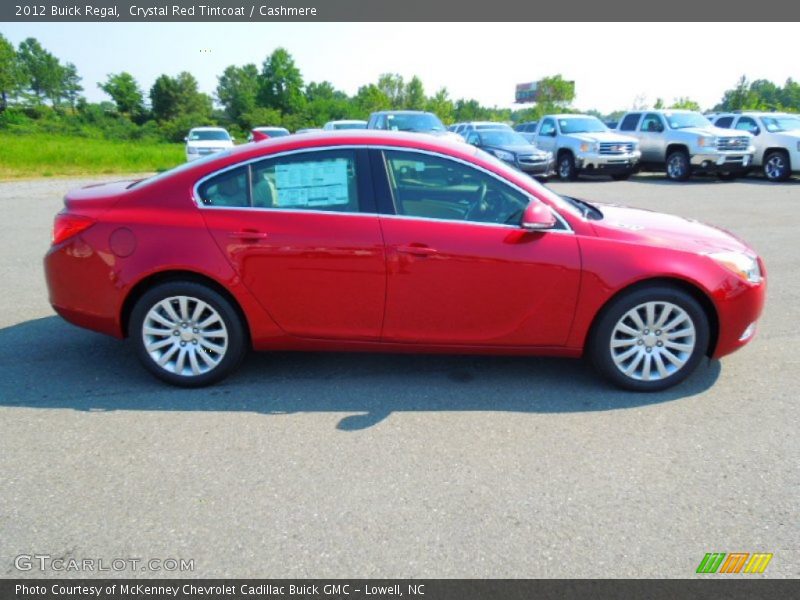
(261, 128)
(567, 116)
(347, 121)
(402, 112)
(208, 128)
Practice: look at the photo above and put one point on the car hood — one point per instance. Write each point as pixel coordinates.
(603, 136)
(664, 230)
(209, 143)
(517, 148)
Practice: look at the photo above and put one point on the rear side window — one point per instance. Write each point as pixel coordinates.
(310, 181)
(629, 122)
(230, 188)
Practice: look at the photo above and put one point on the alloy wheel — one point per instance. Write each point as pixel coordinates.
(652, 341)
(185, 336)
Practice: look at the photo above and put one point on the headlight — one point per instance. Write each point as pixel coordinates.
(191, 150)
(589, 147)
(707, 142)
(503, 155)
(744, 265)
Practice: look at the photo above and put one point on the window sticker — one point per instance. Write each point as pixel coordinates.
(312, 184)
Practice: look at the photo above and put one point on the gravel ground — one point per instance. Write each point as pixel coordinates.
(336, 465)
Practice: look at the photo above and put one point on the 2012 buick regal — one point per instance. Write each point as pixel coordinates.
(382, 241)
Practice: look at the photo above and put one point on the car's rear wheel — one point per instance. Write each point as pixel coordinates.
(187, 334)
(776, 166)
(566, 167)
(678, 166)
(650, 339)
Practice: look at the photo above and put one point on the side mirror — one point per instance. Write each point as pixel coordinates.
(537, 217)
(186, 139)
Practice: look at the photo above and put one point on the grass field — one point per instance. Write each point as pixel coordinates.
(37, 155)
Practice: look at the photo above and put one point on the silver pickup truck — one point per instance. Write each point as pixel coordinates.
(682, 142)
(582, 144)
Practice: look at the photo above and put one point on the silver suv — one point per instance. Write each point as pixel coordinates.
(582, 144)
(683, 142)
(776, 139)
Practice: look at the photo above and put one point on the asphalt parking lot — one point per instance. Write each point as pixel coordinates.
(337, 465)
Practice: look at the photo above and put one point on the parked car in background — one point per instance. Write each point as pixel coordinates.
(683, 142)
(413, 121)
(202, 141)
(463, 129)
(264, 133)
(776, 138)
(308, 130)
(527, 129)
(582, 144)
(377, 241)
(344, 124)
(510, 147)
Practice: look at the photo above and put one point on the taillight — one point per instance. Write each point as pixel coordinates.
(67, 225)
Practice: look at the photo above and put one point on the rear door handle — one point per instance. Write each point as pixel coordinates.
(417, 250)
(249, 236)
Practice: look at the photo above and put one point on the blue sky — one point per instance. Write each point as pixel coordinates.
(612, 64)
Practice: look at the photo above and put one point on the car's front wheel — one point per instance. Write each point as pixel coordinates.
(567, 171)
(187, 334)
(650, 339)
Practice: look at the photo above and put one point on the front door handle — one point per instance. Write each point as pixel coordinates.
(247, 235)
(417, 250)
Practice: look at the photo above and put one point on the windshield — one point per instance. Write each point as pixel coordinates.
(414, 122)
(686, 120)
(582, 125)
(206, 134)
(362, 125)
(782, 123)
(492, 126)
(502, 137)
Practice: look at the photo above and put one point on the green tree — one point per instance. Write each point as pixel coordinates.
(125, 92)
(281, 85)
(237, 91)
(441, 105)
(415, 94)
(370, 98)
(12, 76)
(685, 103)
(44, 71)
(173, 97)
(393, 87)
(660, 104)
(470, 110)
(71, 84)
(555, 90)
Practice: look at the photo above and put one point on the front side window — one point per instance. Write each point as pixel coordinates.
(747, 124)
(724, 122)
(434, 187)
(548, 128)
(652, 123)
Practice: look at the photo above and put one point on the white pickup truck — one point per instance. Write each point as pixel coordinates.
(776, 137)
(582, 144)
(683, 142)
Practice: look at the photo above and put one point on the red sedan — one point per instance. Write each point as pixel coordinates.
(382, 241)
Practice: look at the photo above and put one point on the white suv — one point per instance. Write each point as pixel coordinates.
(203, 141)
(776, 137)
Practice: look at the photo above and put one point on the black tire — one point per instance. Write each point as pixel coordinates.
(621, 176)
(601, 355)
(235, 346)
(776, 166)
(566, 169)
(678, 166)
